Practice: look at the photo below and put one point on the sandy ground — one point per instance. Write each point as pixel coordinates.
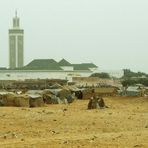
(123, 124)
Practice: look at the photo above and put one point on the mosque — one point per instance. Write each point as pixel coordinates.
(38, 68)
(42, 68)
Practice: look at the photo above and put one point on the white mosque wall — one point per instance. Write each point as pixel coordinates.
(36, 74)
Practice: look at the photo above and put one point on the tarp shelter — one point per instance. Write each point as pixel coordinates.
(11, 99)
(36, 100)
(57, 96)
(133, 91)
(56, 86)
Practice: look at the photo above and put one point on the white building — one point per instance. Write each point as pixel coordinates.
(48, 69)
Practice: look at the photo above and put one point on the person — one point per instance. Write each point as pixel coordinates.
(89, 106)
(92, 104)
(101, 103)
(93, 93)
(96, 102)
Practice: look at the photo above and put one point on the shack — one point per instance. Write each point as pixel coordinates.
(133, 91)
(106, 91)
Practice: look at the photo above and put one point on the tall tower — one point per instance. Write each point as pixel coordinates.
(16, 44)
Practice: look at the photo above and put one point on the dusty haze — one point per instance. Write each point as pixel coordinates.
(111, 33)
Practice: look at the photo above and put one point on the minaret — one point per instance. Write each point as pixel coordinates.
(16, 44)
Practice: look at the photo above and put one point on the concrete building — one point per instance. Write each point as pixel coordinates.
(48, 69)
(16, 45)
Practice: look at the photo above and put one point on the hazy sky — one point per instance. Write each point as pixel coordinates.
(113, 34)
